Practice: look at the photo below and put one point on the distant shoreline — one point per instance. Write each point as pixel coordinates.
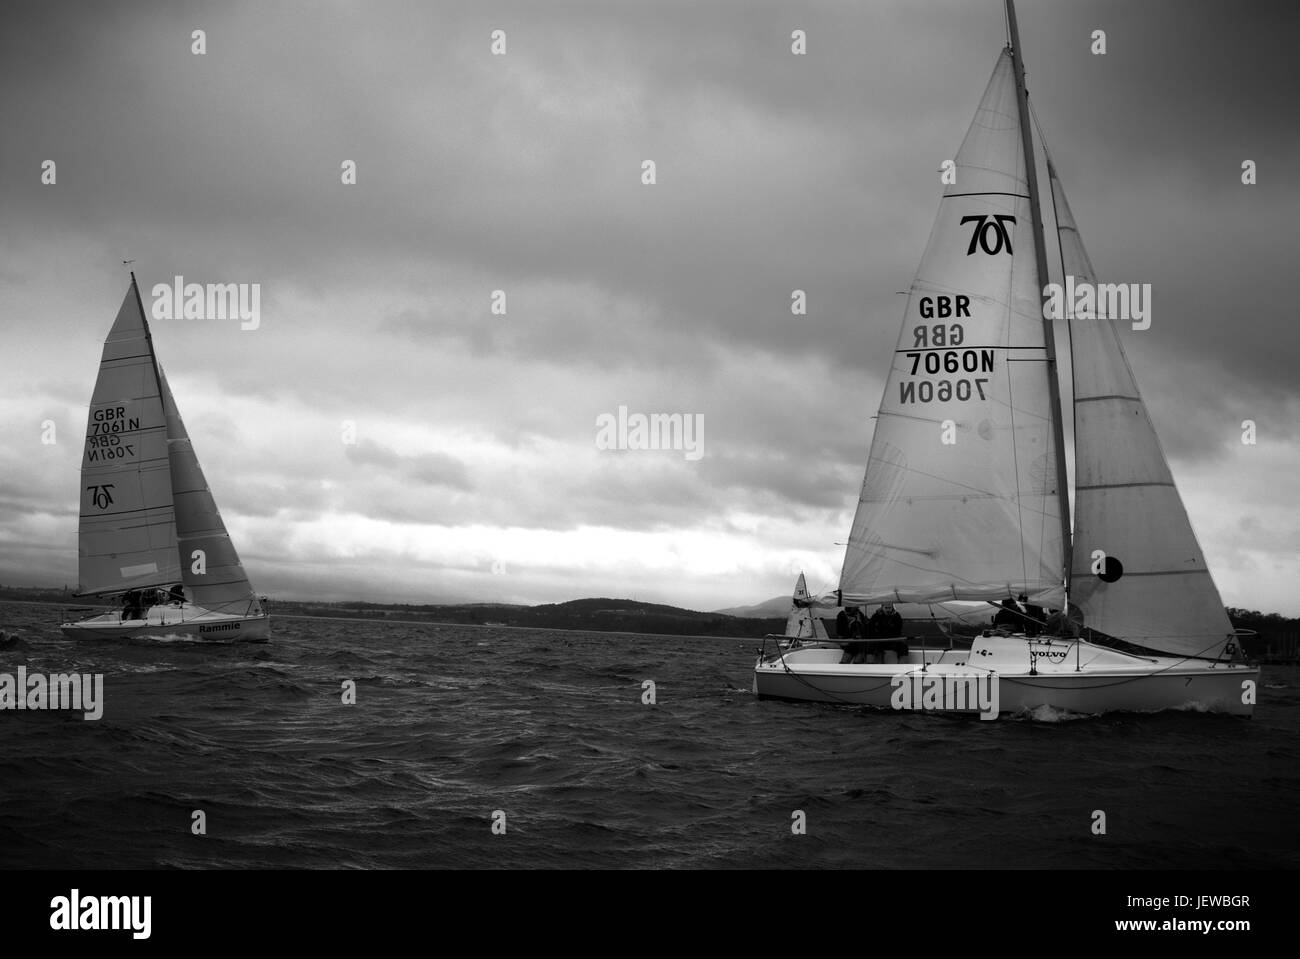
(628, 617)
(531, 629)
(1277, 640)
(429, 622)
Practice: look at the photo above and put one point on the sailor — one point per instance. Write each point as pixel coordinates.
(1033, 618)
(1058, 624)
(849, 629)
(1008, 616)
(860, 628)
(177, 595)
(856, 651)
(886, 622)
(891, 627)
(895, 652)
(842, 625)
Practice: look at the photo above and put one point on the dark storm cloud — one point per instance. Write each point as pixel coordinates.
(521, 173)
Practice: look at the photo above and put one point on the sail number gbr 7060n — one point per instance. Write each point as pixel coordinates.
(930, 355)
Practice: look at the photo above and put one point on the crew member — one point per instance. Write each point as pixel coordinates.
(886, 622)
(1008, 616)
(1033, 617)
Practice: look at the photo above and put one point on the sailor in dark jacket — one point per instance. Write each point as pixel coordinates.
(1033, 618)
(842, 625)
(886, 622)
(1009, 616)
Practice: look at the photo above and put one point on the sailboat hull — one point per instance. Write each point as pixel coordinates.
(174, 622)
(1012, 675)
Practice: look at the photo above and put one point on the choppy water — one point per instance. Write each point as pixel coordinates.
(454, 722)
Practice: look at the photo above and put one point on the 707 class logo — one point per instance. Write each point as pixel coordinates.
(983, 226)
(100, 496)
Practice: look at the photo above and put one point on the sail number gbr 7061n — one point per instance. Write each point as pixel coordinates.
(104, 441)
(930, 354)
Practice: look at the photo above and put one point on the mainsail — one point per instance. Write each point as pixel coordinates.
(960, 499)
(1152, 587)
(210, 568)
(126, 533)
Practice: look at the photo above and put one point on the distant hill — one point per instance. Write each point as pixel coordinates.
(778, 606)
(598, 615)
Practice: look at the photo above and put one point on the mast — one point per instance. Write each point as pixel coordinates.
(1069, 333)
(153, 362)
(148, 335)
(1040, 256)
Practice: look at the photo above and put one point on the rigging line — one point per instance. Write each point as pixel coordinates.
(1015, 456)
(1042, 533)
(1052, 185)
(1119, 682)
(1040, 273)
(1054, 372)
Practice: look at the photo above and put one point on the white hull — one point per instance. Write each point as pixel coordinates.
(174, 622)
(1068, 675)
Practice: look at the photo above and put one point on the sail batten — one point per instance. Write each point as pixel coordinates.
(1139, 574)
(961, 472)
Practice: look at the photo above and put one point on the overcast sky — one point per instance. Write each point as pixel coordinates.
(475, 473)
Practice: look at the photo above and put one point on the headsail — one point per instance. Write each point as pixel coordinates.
(222, 585)
(801, 622)
(1156, 591)
(960, 499)
(126, 534)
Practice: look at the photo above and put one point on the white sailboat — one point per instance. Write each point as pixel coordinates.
(965, 496)
(149, 529)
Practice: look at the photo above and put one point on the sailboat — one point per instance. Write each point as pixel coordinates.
(801, 625)
(149, 529)
(966, 498)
